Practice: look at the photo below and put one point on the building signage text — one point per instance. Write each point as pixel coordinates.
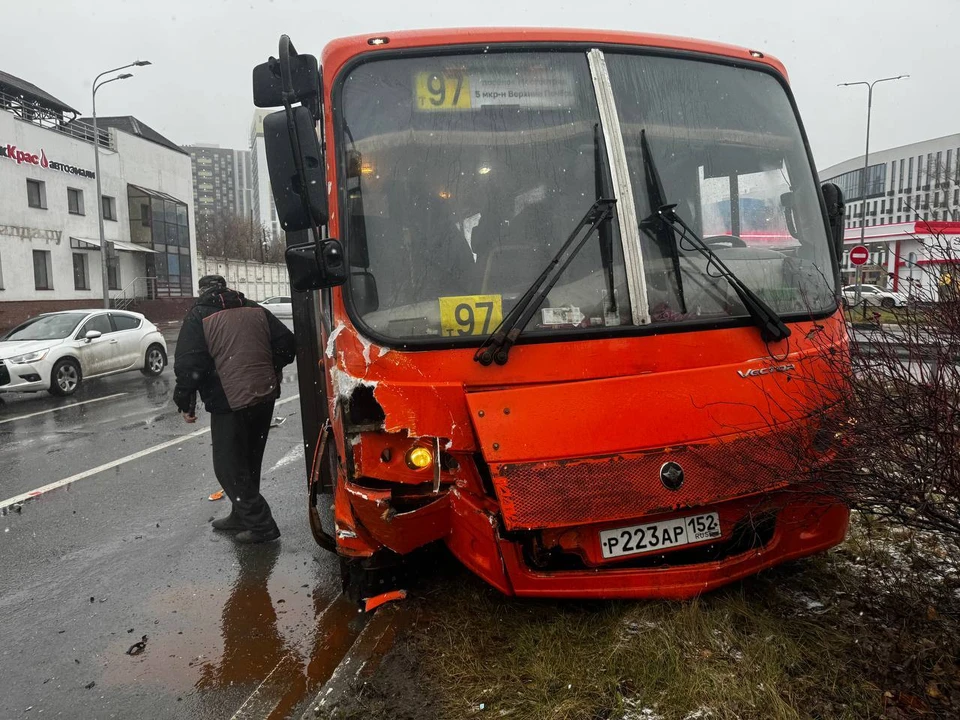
(21, 157)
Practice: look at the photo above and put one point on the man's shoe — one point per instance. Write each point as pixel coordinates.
(251, 536)
(230, 523)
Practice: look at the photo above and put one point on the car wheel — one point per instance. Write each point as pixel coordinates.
(154, 361)
(65, 377)
(888, 303)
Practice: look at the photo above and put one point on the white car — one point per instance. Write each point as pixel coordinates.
(279, 305)
(57, 351)
(874, 296)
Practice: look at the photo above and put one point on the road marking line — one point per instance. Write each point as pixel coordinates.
(62, 407)
(33, 494)
(292, 456)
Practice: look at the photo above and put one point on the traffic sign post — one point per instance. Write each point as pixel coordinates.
(859, 254)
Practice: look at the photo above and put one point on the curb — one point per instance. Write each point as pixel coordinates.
(361, 662)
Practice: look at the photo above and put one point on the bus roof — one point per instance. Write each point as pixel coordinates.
(339, 51)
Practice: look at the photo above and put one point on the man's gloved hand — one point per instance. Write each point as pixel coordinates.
(186, 402)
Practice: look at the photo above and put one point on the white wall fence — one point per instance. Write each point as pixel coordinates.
(257, 281)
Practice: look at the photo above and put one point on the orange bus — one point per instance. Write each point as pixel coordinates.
(558, 292)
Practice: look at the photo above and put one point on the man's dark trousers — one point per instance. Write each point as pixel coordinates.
(239, 439)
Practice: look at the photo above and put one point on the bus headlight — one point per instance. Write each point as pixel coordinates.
(419, 458)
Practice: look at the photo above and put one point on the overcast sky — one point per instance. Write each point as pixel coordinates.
(198, 88)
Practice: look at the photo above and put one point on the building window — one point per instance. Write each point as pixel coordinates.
(113, 269)
(42, 272)
(75, 201)
(81, 279)
(1, 273)
(899, 218)
(956, 197)
(37, 194)
(936, 198)
(900, 185)
(919, 170)
(109, 208)
(938, 168)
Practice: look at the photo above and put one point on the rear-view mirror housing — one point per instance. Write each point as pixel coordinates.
(304, 79)
(314, 266)
(833, 199)
(92, 335)
(292, 212)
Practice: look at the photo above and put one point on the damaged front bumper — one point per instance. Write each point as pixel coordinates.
(801, 526)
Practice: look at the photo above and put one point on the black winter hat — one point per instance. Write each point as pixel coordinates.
(208, 282)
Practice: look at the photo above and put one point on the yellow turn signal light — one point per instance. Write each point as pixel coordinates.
(419, 458)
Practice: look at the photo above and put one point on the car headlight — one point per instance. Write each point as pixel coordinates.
(35, 356)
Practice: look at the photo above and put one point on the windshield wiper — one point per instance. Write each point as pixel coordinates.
(496, 348)
(772, 328)
(661, 233)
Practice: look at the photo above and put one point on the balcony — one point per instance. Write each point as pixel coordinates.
(37, 114)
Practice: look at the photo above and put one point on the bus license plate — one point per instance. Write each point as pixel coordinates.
(659, 536)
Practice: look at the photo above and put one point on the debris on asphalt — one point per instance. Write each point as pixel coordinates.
(278, 421)
(90, 685)
(138, 647)
(215, 496)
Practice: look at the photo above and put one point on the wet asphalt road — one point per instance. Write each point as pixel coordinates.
(88, 569)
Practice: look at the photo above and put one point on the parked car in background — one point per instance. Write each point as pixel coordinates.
(58, 351)
(279, 305)
(874, 296)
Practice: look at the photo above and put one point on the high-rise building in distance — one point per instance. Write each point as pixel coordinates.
(221, 182)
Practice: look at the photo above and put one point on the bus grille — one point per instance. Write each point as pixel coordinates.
(626, 486)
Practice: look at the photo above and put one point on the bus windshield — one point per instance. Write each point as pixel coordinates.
(465, 173)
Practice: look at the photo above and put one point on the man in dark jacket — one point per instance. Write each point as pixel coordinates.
(232, 350)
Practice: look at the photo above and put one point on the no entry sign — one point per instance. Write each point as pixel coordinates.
(859, 255)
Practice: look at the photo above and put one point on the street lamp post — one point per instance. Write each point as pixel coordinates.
(866, 164)
(96, 169)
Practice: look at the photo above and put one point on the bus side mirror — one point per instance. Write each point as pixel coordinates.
(312, 266)
(833, 198)
(304, 80)
(294, 211)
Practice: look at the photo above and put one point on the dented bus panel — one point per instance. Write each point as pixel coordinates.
(650, 424)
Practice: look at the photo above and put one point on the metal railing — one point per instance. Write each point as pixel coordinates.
(146, 288)
(37, 114)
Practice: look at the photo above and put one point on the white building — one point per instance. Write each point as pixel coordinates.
(911, 199)
(49, 237)
(920, 181)
(264, 208)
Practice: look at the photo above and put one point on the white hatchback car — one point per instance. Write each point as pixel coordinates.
(279, 305)
(873, 296)
(57, 351)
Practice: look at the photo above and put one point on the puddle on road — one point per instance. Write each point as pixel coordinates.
(251, 626)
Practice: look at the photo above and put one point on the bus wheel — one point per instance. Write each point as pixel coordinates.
(320, 491)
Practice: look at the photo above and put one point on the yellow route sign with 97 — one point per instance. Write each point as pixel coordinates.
(470, 314)
(442, 91)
